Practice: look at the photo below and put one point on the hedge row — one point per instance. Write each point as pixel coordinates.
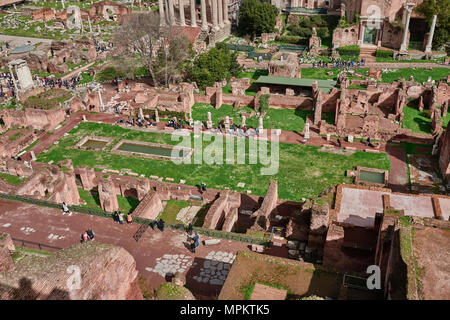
(384, 53)
(164, 114)
(349, 51)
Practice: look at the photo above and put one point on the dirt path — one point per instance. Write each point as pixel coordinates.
(53, 230)
(398, 175)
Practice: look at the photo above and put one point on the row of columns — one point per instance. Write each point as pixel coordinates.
(219, 13)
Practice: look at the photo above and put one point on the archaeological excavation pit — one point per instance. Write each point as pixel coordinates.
(151, 150)
(93, 143)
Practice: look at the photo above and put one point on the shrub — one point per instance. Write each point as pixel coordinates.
(264, 102)
(349, 51)
(289, 39)
(384, 53)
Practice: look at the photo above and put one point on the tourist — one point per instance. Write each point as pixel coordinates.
(120, 217)
(339, 142)
(368, 141)
(161, 224)
(203, 186)
(129, 218)
(116, 216)
(190, 229)
(90, 233)
(84, 237)
(65, 208)
(195, 242)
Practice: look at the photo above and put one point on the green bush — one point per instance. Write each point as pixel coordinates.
(384, 53)
(290, 39)
(164, 114)
(264, 102)
(349, 51)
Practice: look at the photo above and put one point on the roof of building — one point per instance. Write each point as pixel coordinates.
(324, 85)
(22, 49)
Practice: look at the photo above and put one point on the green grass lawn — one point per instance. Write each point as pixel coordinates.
(420, 122)
(321, 73)
(171, 210)
(303, 171)
(285, 119)
(126, 204)
(11, 179)
(420, 74)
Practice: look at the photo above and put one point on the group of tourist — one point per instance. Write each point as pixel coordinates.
(140, 122)
(87, 235)
(7, 88)
(52, 82)
(118, 217)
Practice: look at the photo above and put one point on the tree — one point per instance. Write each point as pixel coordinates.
(442, 8)
(163, 54)
(256, 17)
(217, 64)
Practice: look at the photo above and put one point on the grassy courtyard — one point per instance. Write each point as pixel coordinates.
(303, 170)
(284, 119)
(420, 122)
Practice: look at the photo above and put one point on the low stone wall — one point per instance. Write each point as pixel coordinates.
(150, 207)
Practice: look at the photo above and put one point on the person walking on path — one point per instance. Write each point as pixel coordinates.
(203, 187)
(129, 218)
(65, 208)
(90, 233)
(161, 224)
(339, 142)
(121, 218)
(195, 242)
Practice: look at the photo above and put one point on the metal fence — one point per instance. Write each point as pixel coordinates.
(240, 47)
(306, 10)
(291, 47)
(415, 45)
(255, 55)
(101, 213)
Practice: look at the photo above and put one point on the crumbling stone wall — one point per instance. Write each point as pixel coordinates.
(150, 207)
(107, 191)
(35, 118)
(221, 210)
(107, 273)
(444, 155)
(262, 221)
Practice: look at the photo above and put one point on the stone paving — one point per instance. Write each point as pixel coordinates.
(215, 268)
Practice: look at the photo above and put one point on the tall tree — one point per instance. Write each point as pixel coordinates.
(217, 64)
(163, 54)
(256, 17)
(442, 8)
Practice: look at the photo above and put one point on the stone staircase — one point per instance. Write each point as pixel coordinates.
(368, 53)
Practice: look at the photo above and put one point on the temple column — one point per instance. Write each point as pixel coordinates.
(162, 16)
(220, 13)
(408, 7)
(193, 14)
(225, 12)
(361, 33)
(430, 36)
(182, 20)
(171, 12)
(214, 15)
(204, 18)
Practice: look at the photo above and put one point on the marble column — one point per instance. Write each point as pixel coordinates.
(225, 12)
(182, 20)
(214, 15)
(193, 14)
(430, 36)
(408, 7)
(204, 18)
(220, 13)
(171, 12)
(361, 34)
(162, 16)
